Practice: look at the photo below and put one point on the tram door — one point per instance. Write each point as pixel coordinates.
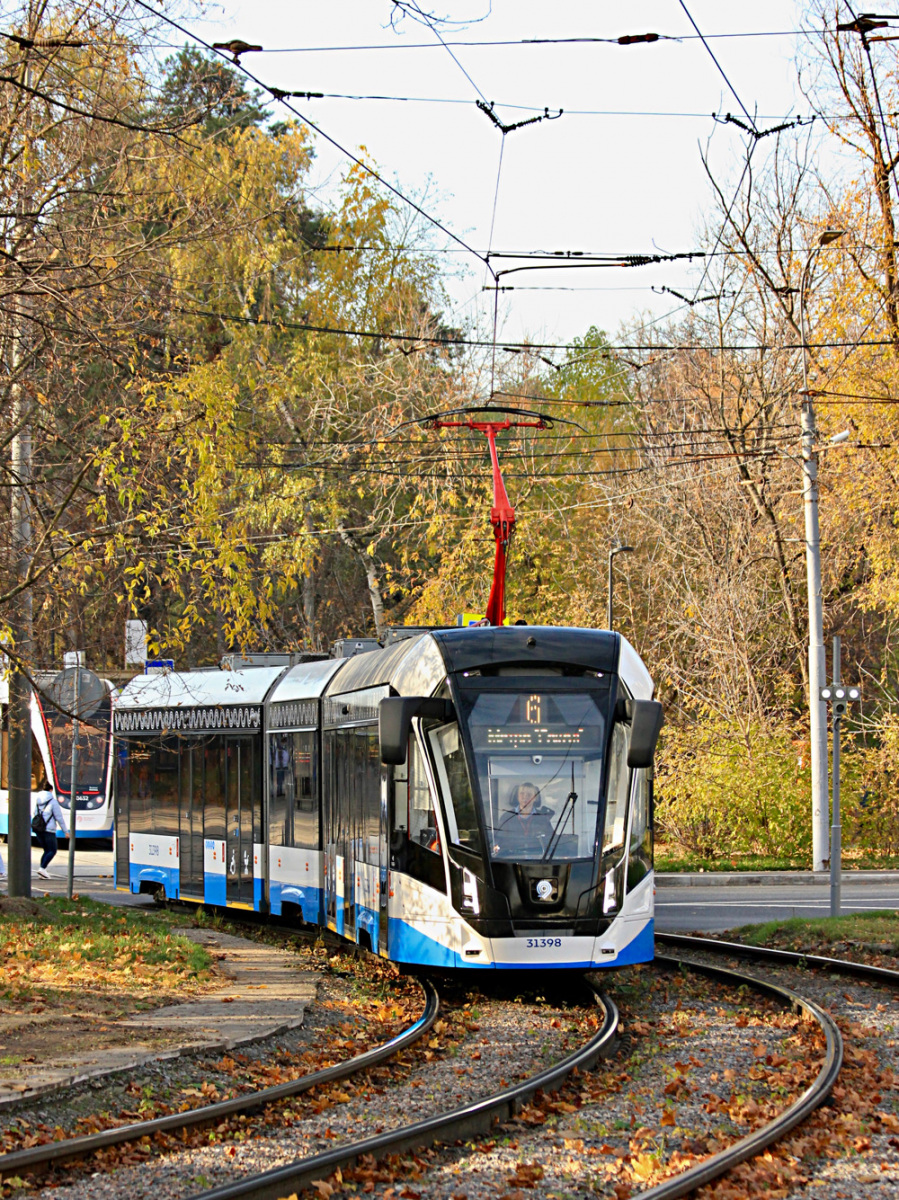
(241, 819)
(384, 857)
(124, 777)
(346, 831)
(338, 881)
(329, 832)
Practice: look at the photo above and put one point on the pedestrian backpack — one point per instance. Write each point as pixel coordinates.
(39, 821)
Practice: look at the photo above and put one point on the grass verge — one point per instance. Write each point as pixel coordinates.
(79, 957)
(670, 859)
(867, 933)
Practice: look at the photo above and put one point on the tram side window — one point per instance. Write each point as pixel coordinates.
(166, 791)
(368, 750)
(422, 819)
(640, 842)
(212, 796)
(462, 822)
(616, 802)
(134, 782)
(415, 845)
(302, 789)
(279, 790)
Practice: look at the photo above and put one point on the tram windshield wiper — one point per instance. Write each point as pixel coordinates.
(570, 801)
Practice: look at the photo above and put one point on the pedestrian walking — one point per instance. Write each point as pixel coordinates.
(47, 813)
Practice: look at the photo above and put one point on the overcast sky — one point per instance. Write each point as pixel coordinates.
(603, 183)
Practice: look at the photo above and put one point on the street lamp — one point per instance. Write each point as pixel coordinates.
(816, 664)
(613, 550)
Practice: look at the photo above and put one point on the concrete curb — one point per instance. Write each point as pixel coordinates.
(756, 878)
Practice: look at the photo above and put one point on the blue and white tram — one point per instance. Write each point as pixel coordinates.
(476, 798)
(51, 759)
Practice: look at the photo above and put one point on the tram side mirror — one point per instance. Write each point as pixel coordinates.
(645, 718)
(395, 721)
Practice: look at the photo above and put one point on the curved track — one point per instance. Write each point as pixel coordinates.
(813, 1096)
(479, 1116)
(39, 1158)
(719, 1164)
(786, 958)
(474, 1118)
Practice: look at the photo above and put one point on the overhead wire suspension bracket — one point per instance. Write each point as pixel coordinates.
(504, 129)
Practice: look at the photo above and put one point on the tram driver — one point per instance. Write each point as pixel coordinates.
(525, 820)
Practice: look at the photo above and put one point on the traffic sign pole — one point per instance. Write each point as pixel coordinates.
(836, 831)
(73, 784)
(839, 696)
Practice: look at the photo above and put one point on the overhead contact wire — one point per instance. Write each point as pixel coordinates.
(277, 95)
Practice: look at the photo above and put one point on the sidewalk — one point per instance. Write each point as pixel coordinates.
(89, 864)
(264, 994)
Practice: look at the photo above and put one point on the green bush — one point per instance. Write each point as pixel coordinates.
(724, 789)
(870, 791)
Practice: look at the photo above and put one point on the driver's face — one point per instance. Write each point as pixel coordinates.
(526, 797)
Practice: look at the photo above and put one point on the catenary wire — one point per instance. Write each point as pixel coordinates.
(681, 37)
(321, 132)
(528, 347)
(314, 94)
(721, 70)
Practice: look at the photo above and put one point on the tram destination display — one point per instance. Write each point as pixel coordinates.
(541, 720)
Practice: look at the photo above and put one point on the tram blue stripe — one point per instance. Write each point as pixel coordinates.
(641, 949)
(215, 889)
(407, 944)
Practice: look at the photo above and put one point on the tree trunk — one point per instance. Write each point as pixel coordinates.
(371, 575)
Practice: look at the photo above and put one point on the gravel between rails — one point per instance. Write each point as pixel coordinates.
(690, 1043)
(849, 1148)
(499, 1040)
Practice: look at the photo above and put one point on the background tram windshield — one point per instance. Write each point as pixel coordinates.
(93, 753)
(539, 765)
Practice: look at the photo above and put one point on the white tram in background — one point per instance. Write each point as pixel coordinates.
(51, 758)
(379, 794)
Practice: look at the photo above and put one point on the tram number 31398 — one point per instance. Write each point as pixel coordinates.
(543, 943)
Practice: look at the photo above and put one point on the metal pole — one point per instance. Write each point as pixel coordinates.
(816, 663)
(73, 784)
(836, 833)
(609, 610)
(20, 621)
(613, 550)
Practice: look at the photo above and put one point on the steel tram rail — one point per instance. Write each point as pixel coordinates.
(55, 1153)
(813, 1096)
(787, 958)
(719, 1164)
(477, 1117)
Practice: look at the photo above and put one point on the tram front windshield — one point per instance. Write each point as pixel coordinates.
(539, 759)
(93, 749)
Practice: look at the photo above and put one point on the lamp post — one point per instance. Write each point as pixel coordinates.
(816, 665)
(613, 550)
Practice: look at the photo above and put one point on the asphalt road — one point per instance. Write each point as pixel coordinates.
(713, 906)
(709, 903)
